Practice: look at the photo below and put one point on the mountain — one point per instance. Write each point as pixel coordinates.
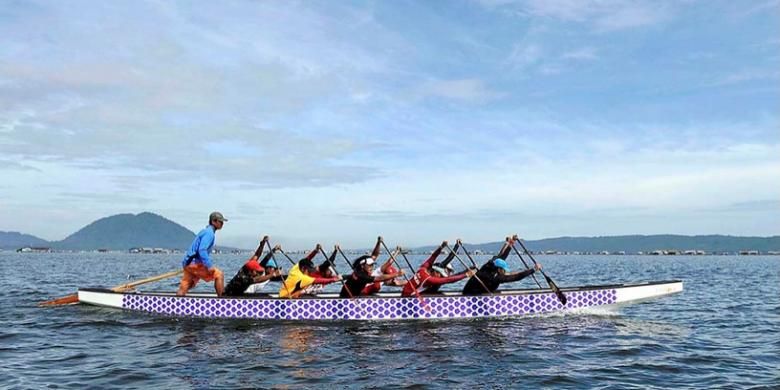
(124, 231)
(14, 240)
(636, 243)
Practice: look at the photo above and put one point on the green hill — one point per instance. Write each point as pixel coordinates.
(124, 231)
(15, 240)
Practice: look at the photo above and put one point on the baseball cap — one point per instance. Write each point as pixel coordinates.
(367, 261)
(501, 264)
(217, 216)
(254, 266)
(442, 269)
(271, 263)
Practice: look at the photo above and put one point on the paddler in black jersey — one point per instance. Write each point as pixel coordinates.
(495, 272)
(252, 272)
(362, 275)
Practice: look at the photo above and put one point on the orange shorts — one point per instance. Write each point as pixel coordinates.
(197, 271)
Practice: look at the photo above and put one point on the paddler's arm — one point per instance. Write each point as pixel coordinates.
(332, 257)
(263, 278)
(450, 279)
(383, 277)
(375, 252)
(314, 252)
(515, 276)
(452, 253)
(504, 253)
(428, 263)
(327, 280)
(270, 254)
(260, 248)
(389, 261)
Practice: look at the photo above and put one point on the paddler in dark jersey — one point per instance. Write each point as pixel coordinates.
(363, 267)
(495, 272)
(252, 272)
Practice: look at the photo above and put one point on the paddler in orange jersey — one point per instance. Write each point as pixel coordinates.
(300, 277)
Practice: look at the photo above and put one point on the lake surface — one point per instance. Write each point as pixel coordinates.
(723, 331)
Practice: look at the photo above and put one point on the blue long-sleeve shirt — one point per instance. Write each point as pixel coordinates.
(201, 247)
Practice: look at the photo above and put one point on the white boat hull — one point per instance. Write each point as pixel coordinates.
(379, 307)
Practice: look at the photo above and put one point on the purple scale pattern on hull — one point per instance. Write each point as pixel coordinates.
(371, 308)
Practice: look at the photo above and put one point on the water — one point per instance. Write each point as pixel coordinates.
(723, 331)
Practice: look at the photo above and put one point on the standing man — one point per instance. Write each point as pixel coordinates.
(197, 262)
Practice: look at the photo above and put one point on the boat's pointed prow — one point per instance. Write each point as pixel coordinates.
(641, 292)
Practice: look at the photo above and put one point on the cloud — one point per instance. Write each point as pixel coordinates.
(602, 16)
(581, 54)
(747, 75)
(524, 55)
(467, 90)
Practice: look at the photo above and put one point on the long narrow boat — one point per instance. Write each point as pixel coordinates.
(384, 306)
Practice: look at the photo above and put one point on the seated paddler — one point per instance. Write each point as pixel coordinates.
(251, 273)
(495, 272)
(326, 270)
(430, 276)
(268, 263)
(362, 273)
(387, 268)
(301, 276)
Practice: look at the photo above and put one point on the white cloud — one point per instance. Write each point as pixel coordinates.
(469, 90)
(524, 55)
(581, 54)
(602, 15)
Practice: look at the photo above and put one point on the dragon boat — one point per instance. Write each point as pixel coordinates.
(383, 306)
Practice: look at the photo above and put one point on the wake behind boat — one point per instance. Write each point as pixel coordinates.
(382, 306)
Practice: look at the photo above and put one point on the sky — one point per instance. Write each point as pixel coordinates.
(337, 121)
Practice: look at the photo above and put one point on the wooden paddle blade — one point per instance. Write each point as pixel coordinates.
(556, 290)
(66, 300)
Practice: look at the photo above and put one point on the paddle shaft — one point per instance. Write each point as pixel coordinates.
(553, 286)
(349, 292)
(332, 264)
(288, 257)
(487, 290)
(526, 264)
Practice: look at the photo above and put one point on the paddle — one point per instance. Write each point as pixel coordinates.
(416, 293)
(74, 298)
(349, 292)
(287, 256)
(550, 282)
(333, 264)
(487, 290)
(523, 260)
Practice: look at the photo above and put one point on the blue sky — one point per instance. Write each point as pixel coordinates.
(338, 121)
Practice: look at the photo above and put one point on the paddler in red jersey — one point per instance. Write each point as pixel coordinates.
(430, 276)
